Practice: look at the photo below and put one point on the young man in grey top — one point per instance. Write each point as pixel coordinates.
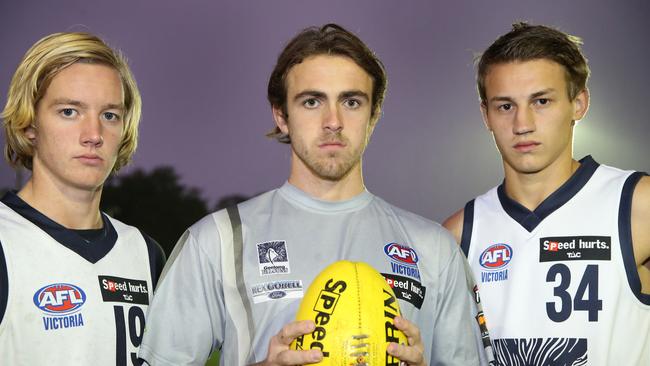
(236, 277)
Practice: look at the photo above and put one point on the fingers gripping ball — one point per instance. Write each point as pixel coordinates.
(353, 308)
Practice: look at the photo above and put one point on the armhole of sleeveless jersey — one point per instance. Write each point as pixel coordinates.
(4, 284)
(625, 236)
(468, 224)
(156, 258)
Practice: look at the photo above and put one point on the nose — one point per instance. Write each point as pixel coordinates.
(91, 132)
(332, 120)
(524, 121)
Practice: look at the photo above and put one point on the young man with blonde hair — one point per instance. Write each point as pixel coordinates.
(74, 283)
(561, 249)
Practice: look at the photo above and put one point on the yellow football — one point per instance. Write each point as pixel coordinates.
(353, 308)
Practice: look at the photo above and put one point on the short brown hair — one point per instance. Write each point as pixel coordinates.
(530, 42)
(330, 39)
(42, 62)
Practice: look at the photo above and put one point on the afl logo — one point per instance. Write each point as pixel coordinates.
(401, 253)
(60, 298)
(496, 256)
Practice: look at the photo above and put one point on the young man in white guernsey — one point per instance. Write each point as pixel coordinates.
(561, 248)
(236, 278)
(74, 283)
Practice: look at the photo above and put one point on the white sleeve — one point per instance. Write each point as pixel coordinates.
(185, 321)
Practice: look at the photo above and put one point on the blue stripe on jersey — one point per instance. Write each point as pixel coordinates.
(625, 236)
(156, 258)
(530, 219)
(468, 225)
(66, 237)
(4, 284)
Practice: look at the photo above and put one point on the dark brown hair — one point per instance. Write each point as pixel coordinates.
(530, 42)
(330, 39)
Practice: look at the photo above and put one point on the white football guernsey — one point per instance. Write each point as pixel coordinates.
(233, 286)
(72, 297)
(559, 285)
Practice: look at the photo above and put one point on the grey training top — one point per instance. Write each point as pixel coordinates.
(216, 293)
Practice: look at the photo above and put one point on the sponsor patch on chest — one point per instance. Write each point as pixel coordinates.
(406, 289)
(273, 258)
(276, 290)
(575, 248)
(118, 289)
(61, 304)
(494, 261)
(403, 260)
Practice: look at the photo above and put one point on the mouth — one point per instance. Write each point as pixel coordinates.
(90, 159)
(335, 144)
(526, 146)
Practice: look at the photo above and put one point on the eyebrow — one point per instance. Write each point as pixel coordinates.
(532, 96)
(354, 93)
(309, 93)
(80, 104)
(342, 95)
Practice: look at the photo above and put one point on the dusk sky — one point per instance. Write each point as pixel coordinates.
(203, 66)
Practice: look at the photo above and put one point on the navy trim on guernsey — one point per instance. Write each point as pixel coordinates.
(4, 284)
(530, 219)
(66, 237)
(468, 225)
(157, 258)
(625, 236)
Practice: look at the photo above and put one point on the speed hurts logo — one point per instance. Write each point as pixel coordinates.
(406, 289)
(61, 304)
(118, 289)
(494, 260)
(404, 260)
(575, 248)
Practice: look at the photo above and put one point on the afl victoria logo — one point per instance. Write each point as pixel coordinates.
(496, 256)
(401, 253)
(60, 298)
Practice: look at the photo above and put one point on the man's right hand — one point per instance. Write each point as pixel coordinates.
(279, 352)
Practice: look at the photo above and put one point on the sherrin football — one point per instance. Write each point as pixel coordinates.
(353, 308)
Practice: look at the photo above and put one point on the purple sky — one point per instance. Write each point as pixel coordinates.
(202, 68)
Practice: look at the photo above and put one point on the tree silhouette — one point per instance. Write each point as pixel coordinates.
(155, 202)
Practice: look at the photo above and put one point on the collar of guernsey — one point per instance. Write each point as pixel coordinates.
(300, 198)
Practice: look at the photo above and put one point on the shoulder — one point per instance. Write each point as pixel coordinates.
(412, 221)
(454, 224)
(430, 237)
(641, 216)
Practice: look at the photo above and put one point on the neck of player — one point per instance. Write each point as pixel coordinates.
(531, 189)
(71, 207)
(344, 188)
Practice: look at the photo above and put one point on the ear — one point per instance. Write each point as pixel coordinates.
(280, 119)
(30, 133)
(373, 123)
(581, 104)
(484, 115)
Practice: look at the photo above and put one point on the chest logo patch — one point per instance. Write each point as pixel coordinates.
(575, 248)
(118, 289)
(403, 260)
(289, 289)
(273, 258)
(494, 261)
(61, 303)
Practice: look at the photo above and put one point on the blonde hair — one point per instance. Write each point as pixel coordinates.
(42, 62)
